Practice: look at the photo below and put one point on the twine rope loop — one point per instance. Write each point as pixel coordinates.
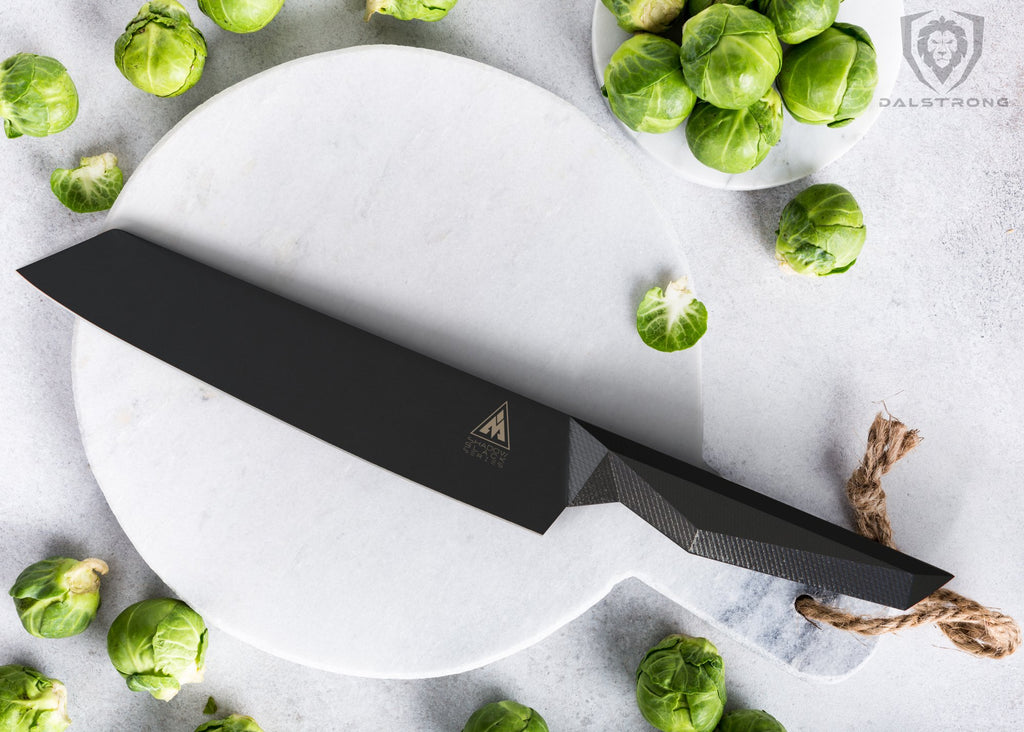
(970, 626)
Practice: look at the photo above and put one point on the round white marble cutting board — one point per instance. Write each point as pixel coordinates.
(803, 149)
(457, 210)
(467, 214)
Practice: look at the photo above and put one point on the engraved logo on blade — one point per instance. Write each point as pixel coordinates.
(490, 440)
(495, 428)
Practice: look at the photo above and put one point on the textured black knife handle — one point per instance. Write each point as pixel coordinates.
(713, 517)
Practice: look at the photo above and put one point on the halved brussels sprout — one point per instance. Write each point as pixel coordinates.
(31, 702)
(92, 186)
(241, 16)
(821, 231)
(645, 86)
(680, 685)
(797, 20)
(750, 720)
(645, 15)
(673, 319)
(505, 716)
(730, 55)
(58, 597)
(830, 78)
(37, 96)
(160, 51)
(735, 140)
(158, 645)
(429, 10)
(231, 723)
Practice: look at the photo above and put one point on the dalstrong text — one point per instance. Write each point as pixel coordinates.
(944, 102)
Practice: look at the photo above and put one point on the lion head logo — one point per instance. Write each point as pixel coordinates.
(942, 45)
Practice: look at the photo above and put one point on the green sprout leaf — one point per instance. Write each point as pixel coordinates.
(730, 55)
(680, 685)
(673, 319)
(428, 10)
(37, 96)
(505, 716)
(645, 86)
(830, 79)
(232, 723)
(750, 720)
(241, 16)
(797, 20)
(31, 702)
(58, 597)
(211, 706)
(158, 645)
(696, 6)
(735, 140)
(821, 231)
(161, 51)
(92, 186)
(645, 15)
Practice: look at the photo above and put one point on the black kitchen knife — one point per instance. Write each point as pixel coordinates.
(448, 430)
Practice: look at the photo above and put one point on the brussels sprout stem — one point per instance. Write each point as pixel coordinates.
(55, 700)
(678, 295)
(84, 576)
(680, 288)
(373, 6)
(61, 693)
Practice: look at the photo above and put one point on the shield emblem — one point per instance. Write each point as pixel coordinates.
(942, 46)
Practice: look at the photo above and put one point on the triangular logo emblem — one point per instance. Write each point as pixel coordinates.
(495, 429)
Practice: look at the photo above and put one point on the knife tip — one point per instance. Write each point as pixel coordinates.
(926, 583)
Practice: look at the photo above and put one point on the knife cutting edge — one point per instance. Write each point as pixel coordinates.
(453, 432)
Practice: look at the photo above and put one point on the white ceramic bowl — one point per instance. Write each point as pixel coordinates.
(804, 149)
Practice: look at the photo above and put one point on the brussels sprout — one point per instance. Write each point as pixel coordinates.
(730, 55)
(158, 645)
(409, 9)
(505, 716)
(821, 231)
(241, 16)
(797, 20)
(160, 51)
(735, 140)
(37, 96)
(671, 320)
(680, 685)
(30, 702)
(831, 78)
(232, 723)
(645, 85)
(750, 720)
(92, 186)
(58, 597)
(645, 15)
(696, 6)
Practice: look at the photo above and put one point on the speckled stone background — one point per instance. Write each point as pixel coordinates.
(928, 325)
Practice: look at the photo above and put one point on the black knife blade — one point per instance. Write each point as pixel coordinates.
(443, 428)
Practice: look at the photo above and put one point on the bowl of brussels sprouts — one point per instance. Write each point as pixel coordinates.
(746, 94)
